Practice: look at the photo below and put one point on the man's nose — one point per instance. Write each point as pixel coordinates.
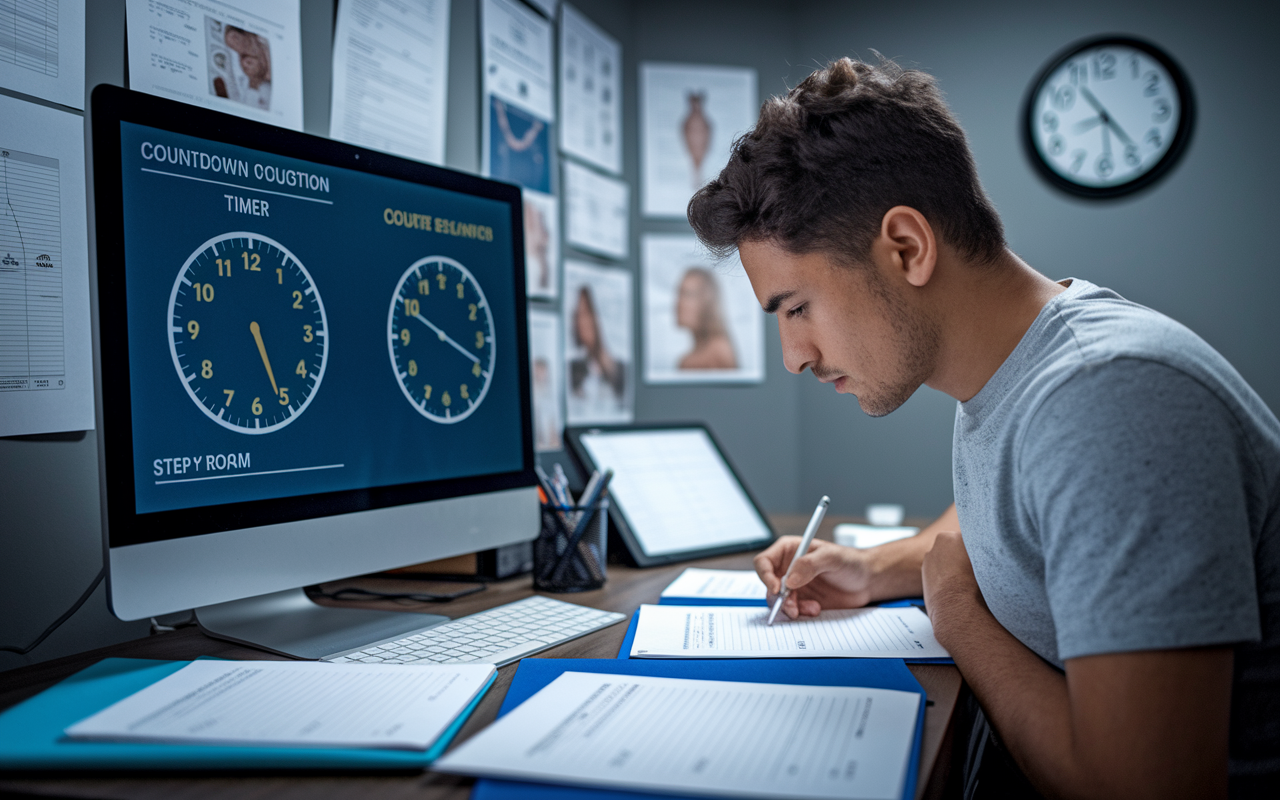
(798, 352)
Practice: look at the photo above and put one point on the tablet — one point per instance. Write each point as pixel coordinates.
(674, 495)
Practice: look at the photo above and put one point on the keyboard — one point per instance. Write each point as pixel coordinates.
(498, 636)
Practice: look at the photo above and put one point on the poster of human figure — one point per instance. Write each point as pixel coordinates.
(702, 322)
(548, 388)
(541, 244)
(689, 118)
(599, 360)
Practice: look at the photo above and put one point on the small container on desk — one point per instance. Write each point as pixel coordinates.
(569, 553)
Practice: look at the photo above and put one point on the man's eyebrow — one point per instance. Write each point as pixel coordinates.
(776, 300)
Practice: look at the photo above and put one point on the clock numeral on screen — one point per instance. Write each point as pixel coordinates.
(1077, 160)
(427, 390)
(479, 339)
(301, 368)
(251, 261)
(460, 290)
(224, 267)
(445, 400)
(472, 315)
(284, 395)
(463, 392)
(442, 280)
(404, 335)
(204, 291)
(306, 333)
(411, 307)
(475, 369)
(1131, 156)
(256, 407)
(1153, 85)
(1163, 111)
(1104, 66)
(1153, 138)
(413, 367)
(424, 286)
(297, 299)
(280, 276)
(206, 369)
(230, 393)
(193, 328)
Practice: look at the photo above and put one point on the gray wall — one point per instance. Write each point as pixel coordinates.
(1195, 246)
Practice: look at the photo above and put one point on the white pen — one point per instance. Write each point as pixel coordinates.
(814, 522)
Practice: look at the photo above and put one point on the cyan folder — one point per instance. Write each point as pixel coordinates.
(31, 732)
(535, 673)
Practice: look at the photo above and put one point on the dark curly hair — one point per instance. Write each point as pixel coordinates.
(825, 162)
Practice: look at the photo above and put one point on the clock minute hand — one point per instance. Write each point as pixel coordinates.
(1105, 115)
(444, 337)
(262, 351)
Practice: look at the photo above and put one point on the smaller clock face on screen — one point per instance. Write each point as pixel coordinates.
(247, 332)
(440, 335)
(1108, 117)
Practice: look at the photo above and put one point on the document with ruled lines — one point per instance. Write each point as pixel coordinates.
(743, 632)
(682, 736)
(293, 704)
(717, 584)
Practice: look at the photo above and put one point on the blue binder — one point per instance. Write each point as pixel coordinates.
(31, 732)
(535, 673)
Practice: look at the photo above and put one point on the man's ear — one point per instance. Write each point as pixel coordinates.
(906, 242)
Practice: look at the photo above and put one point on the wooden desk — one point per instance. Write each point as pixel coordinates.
(625, 590)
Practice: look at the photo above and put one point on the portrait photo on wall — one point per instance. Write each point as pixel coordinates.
(544, 372)
(541, 244)
(519, 146)
(239, 64)
(702, 322)
(599, 356)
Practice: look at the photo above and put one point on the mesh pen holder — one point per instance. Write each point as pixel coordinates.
(569, 553)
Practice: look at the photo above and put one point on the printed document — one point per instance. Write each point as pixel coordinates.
(742, 632)
(705, 737)
(293, 704)
(717, 584)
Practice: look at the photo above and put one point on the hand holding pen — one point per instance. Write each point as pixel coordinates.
(814, 522)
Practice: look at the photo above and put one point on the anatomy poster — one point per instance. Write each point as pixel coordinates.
(702, 323)
(689, 117)
(548, 388)
(599, 357)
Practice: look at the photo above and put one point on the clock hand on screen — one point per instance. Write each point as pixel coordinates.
(262, 351)
(1105, 116)
(444, 337)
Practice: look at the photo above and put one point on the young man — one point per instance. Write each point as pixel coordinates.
(1114, 600)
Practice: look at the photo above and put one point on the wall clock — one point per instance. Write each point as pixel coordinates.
(1107, 116)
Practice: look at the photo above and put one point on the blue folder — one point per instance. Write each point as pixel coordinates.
(624, 652)
(713, 601)
(535, 673)
(31, 732)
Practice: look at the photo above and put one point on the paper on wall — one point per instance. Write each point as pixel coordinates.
(548, 387)
(42, 49)
(590, 92)
(597, 211)
(599, 357)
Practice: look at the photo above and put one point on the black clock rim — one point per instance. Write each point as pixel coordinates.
(1181, 137)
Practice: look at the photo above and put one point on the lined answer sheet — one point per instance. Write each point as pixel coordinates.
(717, 584)
(293, 703)
(703, 737)
(743, 632)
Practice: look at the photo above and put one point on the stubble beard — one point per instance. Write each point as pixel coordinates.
(917, 341)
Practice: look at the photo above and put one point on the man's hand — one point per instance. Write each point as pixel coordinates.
(949, 584)
(828, 576)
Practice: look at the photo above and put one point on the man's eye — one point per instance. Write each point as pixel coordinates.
(797, 311)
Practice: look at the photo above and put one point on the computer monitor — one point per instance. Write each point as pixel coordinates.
(313, 364)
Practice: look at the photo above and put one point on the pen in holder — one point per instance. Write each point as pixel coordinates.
(569, 553)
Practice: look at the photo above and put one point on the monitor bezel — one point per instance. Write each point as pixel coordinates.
(123, 525)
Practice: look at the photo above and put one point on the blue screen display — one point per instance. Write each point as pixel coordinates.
(296, 328)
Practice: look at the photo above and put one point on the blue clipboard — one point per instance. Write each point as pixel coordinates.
(31, 732)
(535, 673)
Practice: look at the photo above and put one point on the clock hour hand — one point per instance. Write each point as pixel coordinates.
(1105, 116)
(444, 337)
(262, 351)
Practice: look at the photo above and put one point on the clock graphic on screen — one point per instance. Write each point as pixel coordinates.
(440, 336)
(247, 332)
(1107, 116)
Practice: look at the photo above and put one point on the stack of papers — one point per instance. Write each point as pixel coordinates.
(708, 586)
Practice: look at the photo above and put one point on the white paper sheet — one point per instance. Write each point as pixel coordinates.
(46, 349)
(705, 737)
(518, 93)
(42, 49)
(548, 386)
(541, 244)
(240, 58)
(293, 704)
(689, 117)
(597, 211)
(717, 584)
(742, 632)
(600, 365)
(590, 92)
(702, 322)
(390, 76)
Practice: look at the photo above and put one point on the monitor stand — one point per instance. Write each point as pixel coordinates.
(289, 624)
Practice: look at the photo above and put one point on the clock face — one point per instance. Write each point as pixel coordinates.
(440, 334)
(1108, 117)
(247, 332)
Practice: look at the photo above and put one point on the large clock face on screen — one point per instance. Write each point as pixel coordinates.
(440, 335)
(247, 332)
(1108, 116)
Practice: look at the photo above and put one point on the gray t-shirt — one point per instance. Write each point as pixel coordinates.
(1118, 486)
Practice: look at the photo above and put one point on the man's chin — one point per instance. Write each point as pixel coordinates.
(881, 404)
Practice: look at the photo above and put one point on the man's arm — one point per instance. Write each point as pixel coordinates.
(1142, 724)
(831, 576)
